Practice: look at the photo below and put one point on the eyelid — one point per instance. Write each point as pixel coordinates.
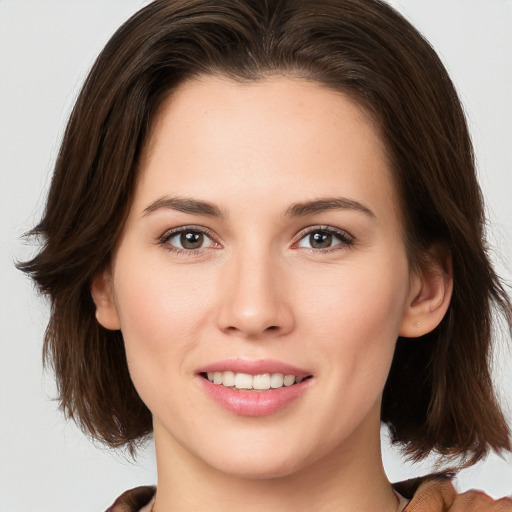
(346, 238)
(170, 233)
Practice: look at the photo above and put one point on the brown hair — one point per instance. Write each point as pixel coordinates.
(439, 393)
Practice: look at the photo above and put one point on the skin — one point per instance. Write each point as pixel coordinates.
(257, 289)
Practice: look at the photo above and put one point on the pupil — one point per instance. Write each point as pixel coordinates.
(320, 240)
(191, 240)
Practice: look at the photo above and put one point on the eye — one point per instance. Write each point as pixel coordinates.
(187, 239)
(324, 239)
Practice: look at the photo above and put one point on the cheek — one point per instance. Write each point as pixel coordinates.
(161, 310)
(355, 315)
(359, 297)
(156, 302)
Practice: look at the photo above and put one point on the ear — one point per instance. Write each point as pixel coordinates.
(429, 298)
(103, 297)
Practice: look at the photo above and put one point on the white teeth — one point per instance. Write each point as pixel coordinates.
(246, 381)
(228, 379)
(243, 381)
(289, 380)
(261, 381)
(276, 380)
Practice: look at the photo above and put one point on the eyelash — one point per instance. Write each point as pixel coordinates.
(345, 239)
(169, 235)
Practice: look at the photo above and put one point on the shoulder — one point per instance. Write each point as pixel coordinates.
(133, 500)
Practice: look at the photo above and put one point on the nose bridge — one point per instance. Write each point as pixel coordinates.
(252, 300)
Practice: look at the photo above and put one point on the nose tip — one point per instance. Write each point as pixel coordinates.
(251, 324)
(254, 302)
(252, 316)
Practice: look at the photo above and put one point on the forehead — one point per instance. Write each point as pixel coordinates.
(213, 135)
(244, 102)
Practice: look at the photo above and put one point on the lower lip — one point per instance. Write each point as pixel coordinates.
(254, 403)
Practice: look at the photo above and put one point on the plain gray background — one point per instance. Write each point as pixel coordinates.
(46, 48)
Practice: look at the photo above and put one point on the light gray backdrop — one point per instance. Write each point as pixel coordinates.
(46, 48)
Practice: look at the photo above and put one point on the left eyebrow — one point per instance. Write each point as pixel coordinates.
(329, 203)
(185, 205)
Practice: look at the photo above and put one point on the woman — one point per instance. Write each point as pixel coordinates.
(262, 197)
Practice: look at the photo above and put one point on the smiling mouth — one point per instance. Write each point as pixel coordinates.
(248, 382)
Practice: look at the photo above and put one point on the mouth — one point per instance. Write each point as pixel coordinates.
(254, 388)
(248, 382)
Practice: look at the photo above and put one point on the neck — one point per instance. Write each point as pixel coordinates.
(348, 478)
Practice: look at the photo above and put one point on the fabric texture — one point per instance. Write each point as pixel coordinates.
(135, 500)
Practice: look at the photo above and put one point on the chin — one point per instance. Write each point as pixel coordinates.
(260, 462)
(258, 469)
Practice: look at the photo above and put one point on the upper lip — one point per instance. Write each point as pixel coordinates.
(254, 367)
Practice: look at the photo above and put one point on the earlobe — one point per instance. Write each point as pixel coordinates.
(428, 301)
(103, 298)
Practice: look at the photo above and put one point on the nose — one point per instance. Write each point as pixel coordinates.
(254, 302)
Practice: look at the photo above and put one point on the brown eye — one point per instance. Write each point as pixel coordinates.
(191, 240)
(325, 238)
(320, 240)
(187, 240)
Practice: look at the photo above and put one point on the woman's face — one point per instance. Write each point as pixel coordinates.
(264, 239)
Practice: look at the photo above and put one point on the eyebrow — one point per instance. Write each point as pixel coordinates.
(199, 207)
(185, 205)
(329, 203)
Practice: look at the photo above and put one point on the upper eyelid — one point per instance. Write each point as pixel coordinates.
(164, 240)
(183, 229)
(331, 229)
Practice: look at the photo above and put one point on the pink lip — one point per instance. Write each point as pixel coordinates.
(253, 403)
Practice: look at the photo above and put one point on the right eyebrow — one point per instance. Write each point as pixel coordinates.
(185, 205)
(325, 204)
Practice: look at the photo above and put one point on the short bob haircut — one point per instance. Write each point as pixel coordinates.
(439, 394)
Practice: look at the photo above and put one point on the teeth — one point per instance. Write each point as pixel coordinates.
(243, 381)
(261, 381)
(228, 379)
(247, 381)
(276, 380)
(289, 380)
